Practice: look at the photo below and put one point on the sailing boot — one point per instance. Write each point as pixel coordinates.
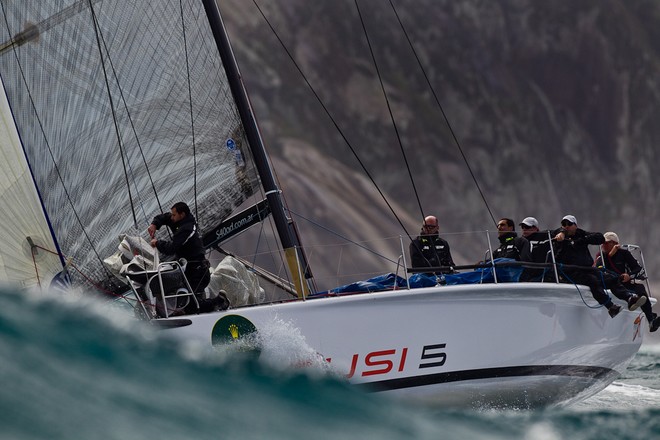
(655, 323)
(614, 310)
(221, 301)
(635, 301)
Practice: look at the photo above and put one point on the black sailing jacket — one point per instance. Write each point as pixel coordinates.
(186, 242)
(575, 250)
(431, 251)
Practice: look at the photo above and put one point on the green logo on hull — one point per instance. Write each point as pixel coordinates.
(233, 328)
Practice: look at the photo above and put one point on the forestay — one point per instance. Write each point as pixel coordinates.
(122, 108)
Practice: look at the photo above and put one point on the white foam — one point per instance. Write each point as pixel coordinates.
(284, 347)
(624, 397)
(541, 431)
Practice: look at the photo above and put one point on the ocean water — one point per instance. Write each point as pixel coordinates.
(80, 369)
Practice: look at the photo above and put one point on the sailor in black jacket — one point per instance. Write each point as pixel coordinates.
(186, 243)
(627, 268)
(539, 245)
(511, 246)
(572, 248)
(429, 250)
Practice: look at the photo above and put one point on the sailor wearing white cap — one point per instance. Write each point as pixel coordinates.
(539, 246)
(530, 222)
(613, 258)
(572, 247)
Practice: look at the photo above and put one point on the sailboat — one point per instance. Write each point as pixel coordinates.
(114, 110)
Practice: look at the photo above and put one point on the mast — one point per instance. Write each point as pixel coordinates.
(288, 236)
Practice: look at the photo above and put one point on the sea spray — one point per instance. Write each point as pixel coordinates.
(284, 347)
(278, 345)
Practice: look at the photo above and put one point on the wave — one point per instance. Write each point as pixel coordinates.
(75, 367)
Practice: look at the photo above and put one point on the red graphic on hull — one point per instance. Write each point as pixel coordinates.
(381, 362)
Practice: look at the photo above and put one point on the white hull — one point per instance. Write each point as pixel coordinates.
(520, 345)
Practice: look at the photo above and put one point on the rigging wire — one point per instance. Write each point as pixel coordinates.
(389, 108)
(112, 108)
(137, 139)
(332, 119)
(342, 237)
(282, 262)
(50, 151)
(86, 277)
(444, 115)
(133, 129)
(192, 119)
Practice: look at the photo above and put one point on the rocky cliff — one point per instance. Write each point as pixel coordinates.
(553, 104)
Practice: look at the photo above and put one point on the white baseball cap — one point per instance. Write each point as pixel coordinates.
(529, 221)
(611, 236)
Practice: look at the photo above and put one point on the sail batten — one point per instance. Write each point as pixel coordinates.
(103, 102)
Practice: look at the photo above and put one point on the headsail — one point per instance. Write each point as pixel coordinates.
(123, 109)
(23, 258)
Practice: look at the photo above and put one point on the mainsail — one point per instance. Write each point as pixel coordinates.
(122, 108)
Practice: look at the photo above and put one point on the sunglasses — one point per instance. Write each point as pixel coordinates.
(567, 223)
(430, 226)
(526, 227)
